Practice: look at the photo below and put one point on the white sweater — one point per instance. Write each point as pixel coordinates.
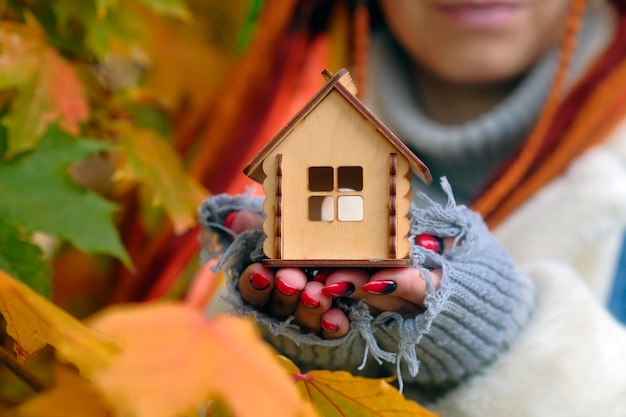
(571, 358)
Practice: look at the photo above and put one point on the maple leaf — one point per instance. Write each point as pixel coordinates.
(23, 259)
(174, 359)
(38, 194)
(48, 88)
(33, 322)
(151, 161)
(70, 396)
(339, 393)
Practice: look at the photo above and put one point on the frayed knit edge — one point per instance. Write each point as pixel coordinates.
(450, 221)
(411, 331)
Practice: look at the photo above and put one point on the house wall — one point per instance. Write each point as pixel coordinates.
(335, 134)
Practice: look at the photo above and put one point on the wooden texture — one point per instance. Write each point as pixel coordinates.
(336, 263)
(337, 138)
(278, 208)
(393, 206)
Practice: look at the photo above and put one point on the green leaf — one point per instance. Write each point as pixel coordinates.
(22, 259)
(39, 195)
(24, 122)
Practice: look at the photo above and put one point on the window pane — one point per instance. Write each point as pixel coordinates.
(350, 178)
(321, 208)
(350, 208)
(321, 179)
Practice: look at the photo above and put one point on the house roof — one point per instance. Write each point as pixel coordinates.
(342, 83)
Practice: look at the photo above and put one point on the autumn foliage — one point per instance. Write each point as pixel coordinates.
(115, 121)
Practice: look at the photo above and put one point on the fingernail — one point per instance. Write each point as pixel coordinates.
(328, 326)
(382, 287)
(259, 281)
(284, 288)
(308, 301)
(430, 242)
(321, 277)
(340, 289)
(228, 221)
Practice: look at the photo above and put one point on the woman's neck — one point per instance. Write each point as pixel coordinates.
(452, 103)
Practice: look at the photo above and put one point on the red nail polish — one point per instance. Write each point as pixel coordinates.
(228, 221)
(340, 289)
(321, 277)
(285, 289)
(259, 281)
(430, 242)
(328, 326)
(381, 287)
(309, 301)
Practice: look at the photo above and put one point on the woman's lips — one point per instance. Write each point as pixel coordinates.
(480, 15)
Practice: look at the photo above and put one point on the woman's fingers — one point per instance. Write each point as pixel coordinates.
(286, 291)
(256, 285)
(346, 283)
(311, 307)
(402, 290)
(240, 221)
(289, 283)
(334, 324)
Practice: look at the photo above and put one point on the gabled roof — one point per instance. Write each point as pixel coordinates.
(342, 83)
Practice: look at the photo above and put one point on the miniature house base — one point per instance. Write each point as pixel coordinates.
(337, 185)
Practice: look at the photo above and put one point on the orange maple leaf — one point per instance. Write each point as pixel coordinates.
(174, 359)
(33, 322)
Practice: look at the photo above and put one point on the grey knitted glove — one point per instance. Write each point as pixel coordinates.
(480, 307)
(212, 213)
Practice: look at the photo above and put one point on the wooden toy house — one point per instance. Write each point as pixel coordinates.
(337, 185)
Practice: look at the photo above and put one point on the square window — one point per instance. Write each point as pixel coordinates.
(350, 208)
(350, 178)
(321, 179)
(321, 208)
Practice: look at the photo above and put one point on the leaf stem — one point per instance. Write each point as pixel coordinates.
(21, 371)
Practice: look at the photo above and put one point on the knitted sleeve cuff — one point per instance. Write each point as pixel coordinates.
(481, 305)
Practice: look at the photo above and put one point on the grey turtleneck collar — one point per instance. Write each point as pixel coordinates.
(467, 154)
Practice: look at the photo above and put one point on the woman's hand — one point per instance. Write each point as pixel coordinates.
(289, 291)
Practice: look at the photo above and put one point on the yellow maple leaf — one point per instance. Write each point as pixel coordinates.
(339, 393)
(151, 162)
(174, 359)
(33, 322)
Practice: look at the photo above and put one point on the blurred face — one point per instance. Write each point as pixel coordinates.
(475, 41)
